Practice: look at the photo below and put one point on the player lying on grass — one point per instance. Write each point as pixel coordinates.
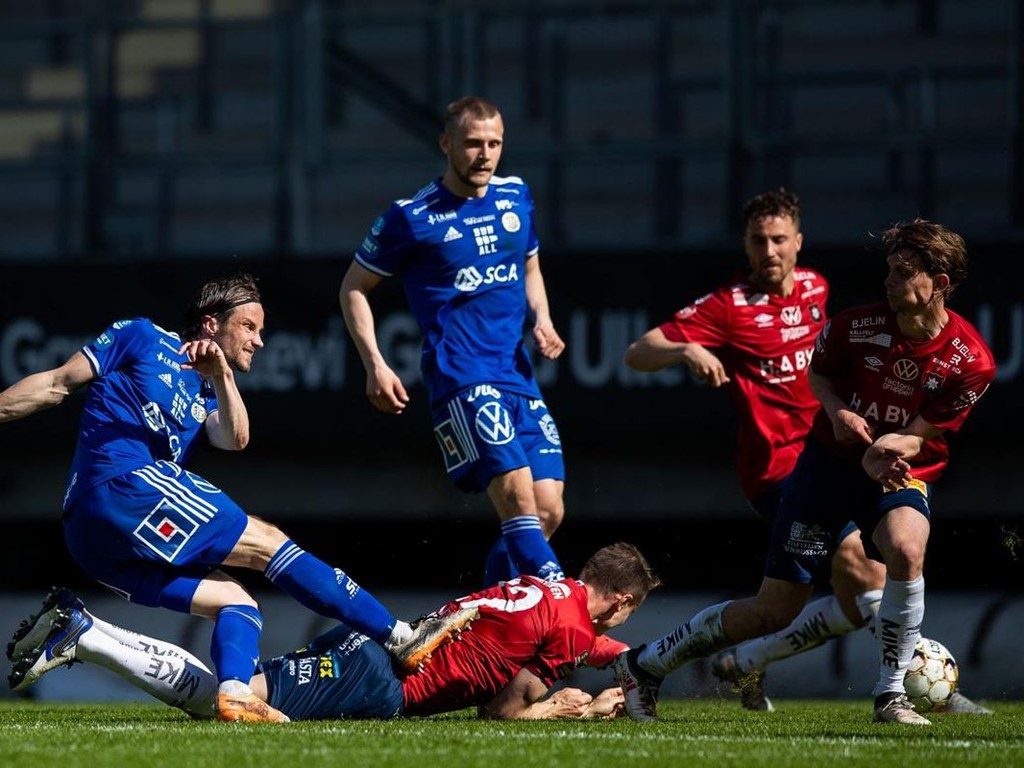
(528, 635)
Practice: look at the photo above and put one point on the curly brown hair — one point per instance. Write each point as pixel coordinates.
(778, 202)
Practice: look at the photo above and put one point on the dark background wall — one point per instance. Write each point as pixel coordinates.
(649, 457)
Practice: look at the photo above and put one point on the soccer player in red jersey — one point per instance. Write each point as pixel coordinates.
(528, 635)
(755, 337)
(891, 380)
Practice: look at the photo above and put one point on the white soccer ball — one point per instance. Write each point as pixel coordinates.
(932, 676)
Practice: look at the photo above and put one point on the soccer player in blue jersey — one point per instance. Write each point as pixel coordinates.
(467, 254)
(153, 532)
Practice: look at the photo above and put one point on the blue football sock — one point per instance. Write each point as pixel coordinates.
(530, 552)
(499, 565)
(235, 645)
(328, 591)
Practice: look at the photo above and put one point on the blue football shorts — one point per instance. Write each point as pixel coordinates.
(766, 505)
(340, 674)
(151, 535)
(822, 495)
(484, 432)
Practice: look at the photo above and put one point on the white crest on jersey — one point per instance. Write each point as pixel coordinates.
(510, 222)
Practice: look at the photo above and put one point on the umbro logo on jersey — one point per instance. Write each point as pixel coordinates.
(166, 379)
(452, 234)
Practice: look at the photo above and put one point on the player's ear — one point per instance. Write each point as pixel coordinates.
(210, 325)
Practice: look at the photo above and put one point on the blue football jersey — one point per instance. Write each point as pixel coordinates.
(142, 407)
(463, 266)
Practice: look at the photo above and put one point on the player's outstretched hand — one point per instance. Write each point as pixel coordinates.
(548, 342)
(205, 356)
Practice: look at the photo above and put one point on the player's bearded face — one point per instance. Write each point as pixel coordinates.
(238, 335)
(473, 152)
(772, 244)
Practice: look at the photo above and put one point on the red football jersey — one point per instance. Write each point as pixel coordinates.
(765, 343)
(604, 651)
(525, 623)
(889, 379)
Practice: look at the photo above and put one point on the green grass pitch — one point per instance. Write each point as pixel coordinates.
(691, 733)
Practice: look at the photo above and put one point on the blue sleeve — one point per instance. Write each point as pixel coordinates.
(121, 343)
(387, 244)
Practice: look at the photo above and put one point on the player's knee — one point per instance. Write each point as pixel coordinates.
(905, 559)
(258, 545)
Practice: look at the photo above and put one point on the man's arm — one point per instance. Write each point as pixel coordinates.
(887, 459)
(43, 390)
(847, 425)
(383, 387)
(654, 351)
(228, 427)
(524, 699)
(548, 342)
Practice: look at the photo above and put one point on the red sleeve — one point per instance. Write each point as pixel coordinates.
(706, 321)
(950, 409)
(604, 651)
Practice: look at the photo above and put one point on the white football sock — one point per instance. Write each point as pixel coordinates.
(695, 639)
(867, 604)
(163, 670)
(142, 642)
(819, 621)
(899, 628)
(401, 632)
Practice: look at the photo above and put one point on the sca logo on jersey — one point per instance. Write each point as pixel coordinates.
(469, 279)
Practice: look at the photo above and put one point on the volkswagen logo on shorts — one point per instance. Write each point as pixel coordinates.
(493, 424)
